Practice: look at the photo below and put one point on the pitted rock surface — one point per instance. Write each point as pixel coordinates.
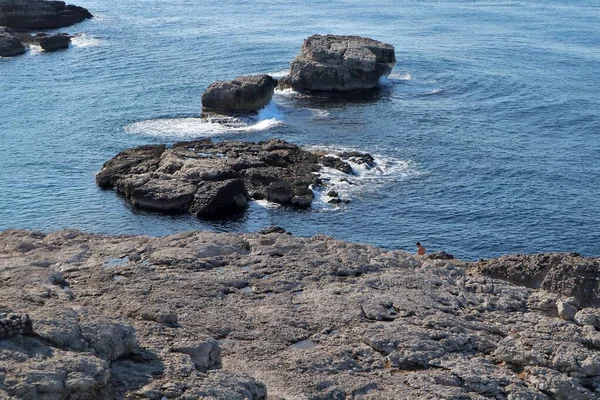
(210, 179)
(335, 63)
(299, 318)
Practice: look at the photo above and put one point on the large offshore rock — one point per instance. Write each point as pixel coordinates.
(339, 64)
(297, 317)
(244, 94)
(210, 179)
(40, 14)
(10, 43)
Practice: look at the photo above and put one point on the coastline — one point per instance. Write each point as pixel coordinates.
(249, 315)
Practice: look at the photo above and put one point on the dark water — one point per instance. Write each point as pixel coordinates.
(487, 133)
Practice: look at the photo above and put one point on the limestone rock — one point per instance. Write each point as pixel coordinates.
(340, 64)
(205, 355)
(565, 310)
(244, 94)
(568, 275)
(309, 318)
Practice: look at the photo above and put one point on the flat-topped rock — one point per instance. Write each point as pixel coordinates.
(40, 14)
(272, 314)
(244, 94)
(339, 64)
(213, 179)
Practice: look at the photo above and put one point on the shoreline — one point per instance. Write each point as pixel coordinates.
(250, 315)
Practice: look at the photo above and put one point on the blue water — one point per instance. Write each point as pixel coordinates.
(489, 125)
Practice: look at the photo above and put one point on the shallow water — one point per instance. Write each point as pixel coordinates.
(486, 131)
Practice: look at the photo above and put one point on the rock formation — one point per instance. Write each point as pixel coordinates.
(30, 15)
(244, 94)
(339, 64)
(234, 316)
(210, 179)
(10, 43)
(34, 15)
(568, 275)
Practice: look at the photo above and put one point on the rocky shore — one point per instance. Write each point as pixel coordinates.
(271, 315)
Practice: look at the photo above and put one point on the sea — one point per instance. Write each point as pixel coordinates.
(486, 134)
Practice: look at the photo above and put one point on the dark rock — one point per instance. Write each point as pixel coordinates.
(52, 42)
(339, 64)
(215, 199)
(213, 179)
(10, 44)
(244, 94)
(441, 255)
(40, 14)
(358, 158)
(332, 193)
(337, 163)
(273, 229)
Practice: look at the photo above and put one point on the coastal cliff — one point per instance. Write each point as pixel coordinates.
(236, 316)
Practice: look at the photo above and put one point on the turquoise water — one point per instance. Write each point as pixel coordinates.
(487, 132)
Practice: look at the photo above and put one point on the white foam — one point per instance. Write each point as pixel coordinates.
(82, 40)
(384, 171)
(35, 49)
(286, 93)
(267, 118)
(317, 113)
(267, 204)
(279, 74)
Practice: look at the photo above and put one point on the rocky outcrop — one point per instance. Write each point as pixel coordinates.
(306, 318)
(10, 43)
(244, 94)
(568, 275)
(54, 42)
(210, 179)
(339, 64)
(40, 14)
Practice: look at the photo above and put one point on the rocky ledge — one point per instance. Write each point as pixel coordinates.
(244, 94)
(237, 316)
(209, 179)
(335, 63)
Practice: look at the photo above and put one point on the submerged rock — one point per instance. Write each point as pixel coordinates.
(312, 318)
(244, 94)
(40, 14)
(211, 180)
(339, 64)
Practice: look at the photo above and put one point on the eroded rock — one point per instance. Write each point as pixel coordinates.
(244, 94)
(339, 64)
(211, 180)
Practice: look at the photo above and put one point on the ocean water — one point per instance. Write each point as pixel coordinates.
(487, 133)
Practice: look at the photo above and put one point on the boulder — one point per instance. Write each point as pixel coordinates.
(10, 44)
(52, 42)
(244, 94)
(40, 14)
(339, 64)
